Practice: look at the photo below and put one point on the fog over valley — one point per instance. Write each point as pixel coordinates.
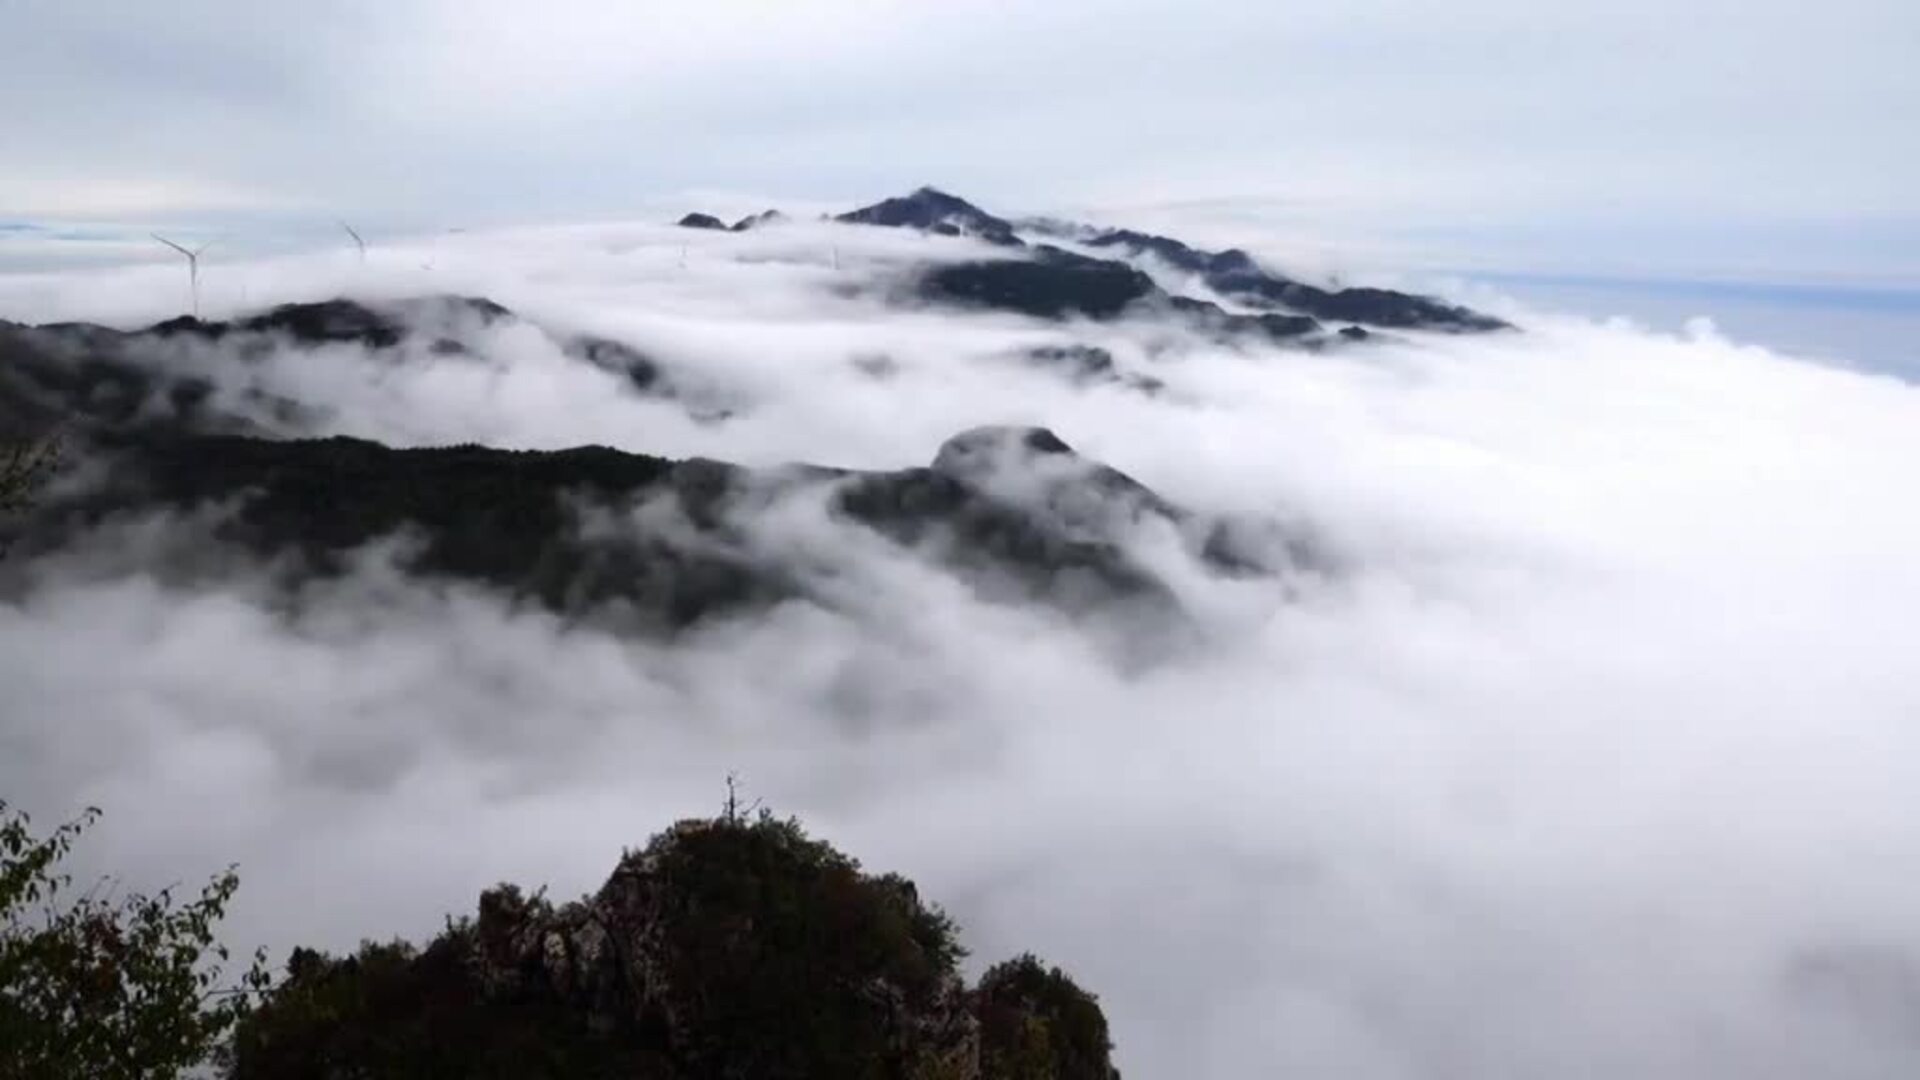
(1337, 681)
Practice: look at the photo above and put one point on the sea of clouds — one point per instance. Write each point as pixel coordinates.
(1594, 754)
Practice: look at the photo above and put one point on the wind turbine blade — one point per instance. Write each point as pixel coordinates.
(174, 246)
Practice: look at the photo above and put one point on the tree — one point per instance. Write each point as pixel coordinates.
(22, 466)
(727, 948)
(104, 985)
(1037, 1024)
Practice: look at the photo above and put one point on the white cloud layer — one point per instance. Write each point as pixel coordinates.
(1595, 758)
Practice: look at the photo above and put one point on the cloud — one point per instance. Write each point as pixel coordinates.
(1595, 756)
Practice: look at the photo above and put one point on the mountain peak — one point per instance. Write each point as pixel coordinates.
(754, 221)
(931, 194)
(931, 210)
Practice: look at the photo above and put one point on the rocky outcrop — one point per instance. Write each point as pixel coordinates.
(726, 948)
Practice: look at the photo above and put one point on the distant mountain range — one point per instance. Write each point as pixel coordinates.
(1053, 281)
(1013, 511)
(193, 459)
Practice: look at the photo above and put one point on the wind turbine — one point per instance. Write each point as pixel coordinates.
(193, 266)
(357, 242)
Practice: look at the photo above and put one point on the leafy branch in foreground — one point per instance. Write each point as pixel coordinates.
(107, 986)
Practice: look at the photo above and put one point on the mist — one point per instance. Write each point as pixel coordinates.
(1589, 750)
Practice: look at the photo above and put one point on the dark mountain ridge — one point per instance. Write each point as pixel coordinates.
(932, 210)
(1014, 512)
(86, 376)
(1235, 274)
(1052, 282)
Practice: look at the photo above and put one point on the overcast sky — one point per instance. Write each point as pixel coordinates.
(1765, 138)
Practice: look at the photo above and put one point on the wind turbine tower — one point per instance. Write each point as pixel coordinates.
(193, 267)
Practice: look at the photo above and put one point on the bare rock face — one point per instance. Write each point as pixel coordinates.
(725, 948)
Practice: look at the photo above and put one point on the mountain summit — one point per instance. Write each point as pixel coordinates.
(936, 211)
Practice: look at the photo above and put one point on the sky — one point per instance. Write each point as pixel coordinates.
(1716, 139)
